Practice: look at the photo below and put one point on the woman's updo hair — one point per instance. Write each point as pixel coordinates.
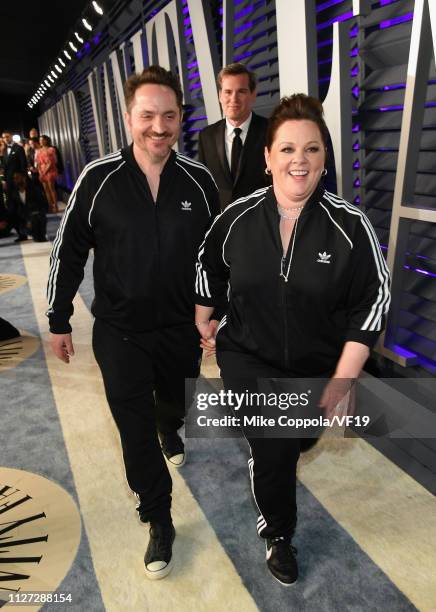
(297, 106)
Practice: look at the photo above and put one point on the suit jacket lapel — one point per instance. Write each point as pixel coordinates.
(221, 148)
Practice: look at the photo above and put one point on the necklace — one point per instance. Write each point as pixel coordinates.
(283, 212)
(290, 217)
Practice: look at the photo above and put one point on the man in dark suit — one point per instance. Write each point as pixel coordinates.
(233, 148)
(14, 160)
(26, 202)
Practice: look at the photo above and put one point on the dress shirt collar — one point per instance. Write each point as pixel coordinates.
(243, 127)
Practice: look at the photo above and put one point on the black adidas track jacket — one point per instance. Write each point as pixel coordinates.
(144, 252)
(294, 312)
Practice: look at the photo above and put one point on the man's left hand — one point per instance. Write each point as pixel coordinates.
(207, 330)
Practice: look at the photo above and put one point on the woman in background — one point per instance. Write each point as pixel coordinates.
(45, 159)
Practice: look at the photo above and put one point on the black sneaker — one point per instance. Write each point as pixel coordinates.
(281, 561)
(158, 556)
(173, 448)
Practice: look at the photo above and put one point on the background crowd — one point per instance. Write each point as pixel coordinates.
(29, 171)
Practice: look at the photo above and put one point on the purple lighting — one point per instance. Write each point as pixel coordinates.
(356, 128)
(356, 200)
(249, 24)
(355, 91)
(402, 352)
(327, 5)
(395, 21)
(192, 119)
(325, 43)
(393, 87)
(249, 9)
(354, 71)
(426, 272)
(330, 22)
(356, 146)
(356, 183)
(394, 107)
(354, 52)
(356, 165)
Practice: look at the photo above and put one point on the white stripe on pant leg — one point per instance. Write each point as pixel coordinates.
(251, 472)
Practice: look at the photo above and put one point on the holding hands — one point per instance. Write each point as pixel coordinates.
(207, 331)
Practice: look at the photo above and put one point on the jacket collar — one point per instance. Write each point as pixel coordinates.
(312, 202)
(129, 158)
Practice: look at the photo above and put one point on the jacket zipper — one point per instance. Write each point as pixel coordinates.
(285, 319)
(285, 274)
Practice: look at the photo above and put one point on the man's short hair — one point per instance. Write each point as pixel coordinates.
(233, 70)
(154, 75)
(34, 139)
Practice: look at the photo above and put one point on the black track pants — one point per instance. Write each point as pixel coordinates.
(144, 378)
(273, 462)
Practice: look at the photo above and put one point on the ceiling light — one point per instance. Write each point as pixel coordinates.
(72, 46)
(87, 24)
(67, 55)
(58, 69)
(47, 83)
(97, 8)
(62, 63)
(53, 73)
(78, 38)
(51, 78)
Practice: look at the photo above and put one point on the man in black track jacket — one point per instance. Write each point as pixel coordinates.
(144, 210)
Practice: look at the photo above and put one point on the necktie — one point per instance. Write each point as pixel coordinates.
(236, 152)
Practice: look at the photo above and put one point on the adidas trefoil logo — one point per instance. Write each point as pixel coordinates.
(186, 206)
(323, 258)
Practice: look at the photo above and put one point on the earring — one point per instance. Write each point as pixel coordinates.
(268, 171)
(324, 172)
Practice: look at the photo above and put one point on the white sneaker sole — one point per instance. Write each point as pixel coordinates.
(285, 584)
(179, 462)
(159, 574)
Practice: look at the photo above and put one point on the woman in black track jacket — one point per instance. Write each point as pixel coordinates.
(307, 290)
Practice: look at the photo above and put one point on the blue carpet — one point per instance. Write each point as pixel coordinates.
(336, 575)
(31, 433)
